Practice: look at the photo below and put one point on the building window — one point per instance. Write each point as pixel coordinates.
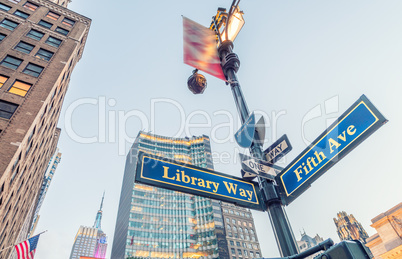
(33, 70)
(24, 47)
(21, 14)
(231, 242)
(62, 31)
(4, 7)
(53, 16)
(233, 221)
(8, 24)
(237, 243)
(3, 79)
(11, 62)
(239, 252)
(7, 109)
(232, 251)
(15, 1)
(251, 254)
(44, 54)
(53, 41)
(257, 254)
(45, 24)
(245, 253)
(20, 88)
(2, 36)
(36, 35)
(30, 6)
(228, 227)
(68, 22)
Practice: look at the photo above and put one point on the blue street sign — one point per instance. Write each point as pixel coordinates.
(177, 176)
(245, 135)
(354, 126)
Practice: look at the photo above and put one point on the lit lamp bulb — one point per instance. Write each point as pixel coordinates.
(233, 26)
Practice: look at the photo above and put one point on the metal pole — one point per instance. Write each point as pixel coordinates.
(279, 220)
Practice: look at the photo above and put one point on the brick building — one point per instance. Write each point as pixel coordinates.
(40, 43)
(240, 232)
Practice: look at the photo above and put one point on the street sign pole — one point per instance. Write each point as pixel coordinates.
(279, 220)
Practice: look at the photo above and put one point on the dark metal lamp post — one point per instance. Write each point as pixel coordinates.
(227, 26)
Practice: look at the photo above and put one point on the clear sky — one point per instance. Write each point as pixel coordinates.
(303, 63)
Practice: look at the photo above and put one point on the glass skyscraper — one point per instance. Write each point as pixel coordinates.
(159, 223)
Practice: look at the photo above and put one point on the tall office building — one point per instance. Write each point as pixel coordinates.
(240, 232)
(159, 223)
(90, 241)
(348, 228)
(40, 43)
(47, 179)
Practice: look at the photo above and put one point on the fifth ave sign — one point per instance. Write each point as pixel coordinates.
(346, 133)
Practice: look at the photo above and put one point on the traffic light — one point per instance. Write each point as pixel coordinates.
(346, 250)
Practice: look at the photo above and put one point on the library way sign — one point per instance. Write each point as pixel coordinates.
(177, 176)
(347, 132)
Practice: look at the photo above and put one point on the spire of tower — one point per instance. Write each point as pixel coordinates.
(98, 219)
(102, 200)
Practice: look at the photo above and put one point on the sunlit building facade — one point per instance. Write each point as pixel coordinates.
(387, 242)
(348, 228)
(159, 223)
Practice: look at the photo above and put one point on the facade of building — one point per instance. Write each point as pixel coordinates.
(240, 232)
(159, 223)
(90, 241)
(307, 242)
(47, 179)
(348, 228)
(40, 43)
(387, 242)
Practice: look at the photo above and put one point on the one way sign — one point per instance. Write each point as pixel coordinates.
(252, 167)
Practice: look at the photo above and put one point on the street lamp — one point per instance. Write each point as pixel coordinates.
(227, 26)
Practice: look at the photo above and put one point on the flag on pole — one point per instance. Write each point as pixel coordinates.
(200, 48)
(132, 241)
(27, 249)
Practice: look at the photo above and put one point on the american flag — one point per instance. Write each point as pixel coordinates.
(27, 249)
